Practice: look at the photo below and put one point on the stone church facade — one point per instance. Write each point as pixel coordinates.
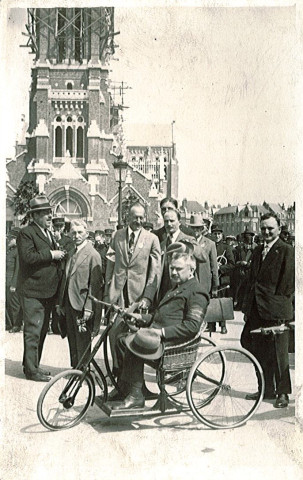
(72, 138)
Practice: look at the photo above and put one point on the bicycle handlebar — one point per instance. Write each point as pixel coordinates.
(131, 320)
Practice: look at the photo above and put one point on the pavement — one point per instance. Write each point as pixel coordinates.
(167, 447)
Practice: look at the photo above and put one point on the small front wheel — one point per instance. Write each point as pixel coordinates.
(65, 399)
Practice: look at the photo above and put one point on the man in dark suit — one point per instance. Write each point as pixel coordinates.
(268, 302)
(173, 233)
(177, 319)
(64, 243)
(38, 279)
(166, 205)
(226, 265)
(82, 277)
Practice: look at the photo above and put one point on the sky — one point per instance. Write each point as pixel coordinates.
(229, 79)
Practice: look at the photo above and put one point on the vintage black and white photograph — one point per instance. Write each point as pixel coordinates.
(151, 215)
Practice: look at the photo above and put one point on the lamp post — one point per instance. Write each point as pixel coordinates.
(120, 168)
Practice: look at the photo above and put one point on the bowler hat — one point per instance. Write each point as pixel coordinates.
(216, 228)
(99, 232)
(145, 344)
(182, 246)
(108, 231)
(58, 221)
(196, 220)
(284, 229)
(40, 202)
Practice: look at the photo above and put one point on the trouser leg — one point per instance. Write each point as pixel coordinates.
(133, 370)
(78, 341)
(36, 319)
(281, 363)
(15, 309)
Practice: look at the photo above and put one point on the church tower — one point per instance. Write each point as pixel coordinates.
(70, 108)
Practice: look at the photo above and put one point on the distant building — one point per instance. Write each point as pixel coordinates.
(234, 219)
(188, 207)
(150, 151)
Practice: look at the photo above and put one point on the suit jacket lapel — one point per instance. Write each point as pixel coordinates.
(124, 244)
(41, 234)
(80, 258)
(271, 254)
(138, 245)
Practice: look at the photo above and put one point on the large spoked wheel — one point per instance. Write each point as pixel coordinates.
(65, 399)
(219, 383)
(175, 382)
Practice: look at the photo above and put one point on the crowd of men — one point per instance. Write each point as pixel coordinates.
(53, 269)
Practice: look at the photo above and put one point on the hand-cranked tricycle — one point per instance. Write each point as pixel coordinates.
(213, 384)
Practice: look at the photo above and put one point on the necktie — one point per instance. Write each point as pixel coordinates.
(265, 251)
(131, 243)
(168, 241)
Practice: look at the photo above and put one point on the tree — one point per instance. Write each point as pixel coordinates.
(127, 202)
(24, 193)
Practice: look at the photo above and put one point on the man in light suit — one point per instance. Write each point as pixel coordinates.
(268, 302)
(37, 284)
(207, 272)
(82, 277)
(133, 268)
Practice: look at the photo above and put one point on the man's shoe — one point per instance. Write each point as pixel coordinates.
(131, 401)
(38, 377)
(15, 330)
(223, 330)
(282, 401)
(269, 396)
(44, 372)
(115, 396)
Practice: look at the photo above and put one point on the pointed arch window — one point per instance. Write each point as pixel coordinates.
(69, 141)
(69, 136)
(79, 142)
(58, 141)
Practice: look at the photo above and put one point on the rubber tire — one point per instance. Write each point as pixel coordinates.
(91, 389)
(199, 413)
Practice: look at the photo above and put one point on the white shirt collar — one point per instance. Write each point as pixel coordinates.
(270, 244)
(174, 236)
(136, 233)
(78, 248)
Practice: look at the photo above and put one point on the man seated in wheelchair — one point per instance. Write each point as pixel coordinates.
(178, 318)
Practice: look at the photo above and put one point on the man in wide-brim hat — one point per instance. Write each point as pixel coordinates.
(177, 319)
(38, 280)
(207, 272)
